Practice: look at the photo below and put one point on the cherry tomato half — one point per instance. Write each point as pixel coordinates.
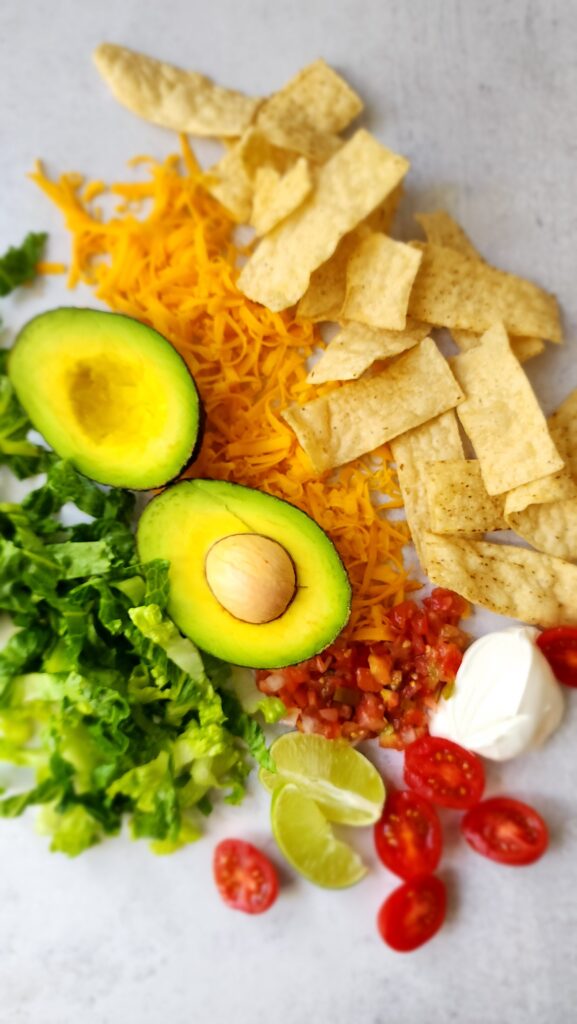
(244, 877)
(559, 646)
(413, 913)
(506, 830)
(444, 773)
(408, 837)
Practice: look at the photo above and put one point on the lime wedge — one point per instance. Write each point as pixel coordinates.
(308, 843)
(345, 785)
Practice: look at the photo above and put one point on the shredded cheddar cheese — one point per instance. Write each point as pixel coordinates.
(50, 268)
(167, 255)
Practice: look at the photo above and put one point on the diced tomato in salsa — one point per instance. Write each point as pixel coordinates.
(358, 691)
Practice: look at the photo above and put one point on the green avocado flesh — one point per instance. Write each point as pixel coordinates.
(183, 523)
(108, 393)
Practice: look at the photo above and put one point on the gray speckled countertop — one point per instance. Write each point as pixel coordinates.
(481, 95)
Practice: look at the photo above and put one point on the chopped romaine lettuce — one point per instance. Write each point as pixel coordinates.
(18, 264)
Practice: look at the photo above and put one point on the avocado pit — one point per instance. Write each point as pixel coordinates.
(251, 576)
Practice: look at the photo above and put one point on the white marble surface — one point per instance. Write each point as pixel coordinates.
(481, 95)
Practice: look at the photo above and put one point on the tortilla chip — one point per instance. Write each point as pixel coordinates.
(456, 291)
(361, 415)
(563, 428)
(380, 275)
(356, 347)
(276, 195)
(524, 348)
(231, 185)
(502, 416)
(554, 487)
(414, 452)
(325, 295)
(382, 218)
(349, 186)
(287, 126)
(513, 581)
(257, 151)
(545, 513)
(234, 176)
(184, 101)
(557, 486)
(440, 229)
(465, 340)
(458, 501)
(322, 97)
(551, 528)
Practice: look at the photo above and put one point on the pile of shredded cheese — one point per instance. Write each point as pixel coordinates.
(168, 257)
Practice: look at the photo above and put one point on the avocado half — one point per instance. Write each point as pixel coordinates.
(108, 393)
(187, 524)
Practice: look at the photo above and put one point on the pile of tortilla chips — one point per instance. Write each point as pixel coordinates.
(322, 206)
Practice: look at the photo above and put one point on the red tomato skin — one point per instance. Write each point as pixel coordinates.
(559, 645)
(408, 838)
(431, 761)
(480, 828)
(244, 876)
(399, 923)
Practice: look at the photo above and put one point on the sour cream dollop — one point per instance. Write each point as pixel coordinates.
(506, 699)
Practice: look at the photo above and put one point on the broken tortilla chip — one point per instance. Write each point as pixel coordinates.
(554, 487)
(323, 99)
(324, 297)
(457, 499)
(502, 416)
(288, 126)
(524, 348)
(441, 229)
(276, 195)
(184, 101)
(229, 183)
(381, 219)
(380, 275)
(465, 340)
(563, 428)
(544, 513)
(257, 151)
(456, 291)
(551, 527)
(356, 347)
(234, 176)
(362, 415)
(413, 453)
(351, 184)
(513, 581)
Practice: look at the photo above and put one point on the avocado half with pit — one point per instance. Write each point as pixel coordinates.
(253, 580)
(108, 393)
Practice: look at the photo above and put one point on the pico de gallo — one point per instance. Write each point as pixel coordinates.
(359, 691)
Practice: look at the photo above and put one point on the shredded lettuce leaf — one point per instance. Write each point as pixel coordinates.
(16, 451)
(18, 264)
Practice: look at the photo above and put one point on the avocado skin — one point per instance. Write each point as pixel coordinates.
(129, 320)
(202, 420)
